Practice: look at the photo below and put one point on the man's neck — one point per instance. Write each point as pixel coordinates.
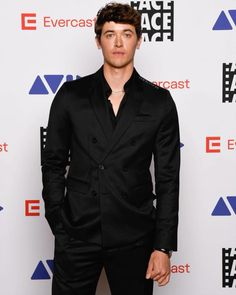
(117, 77)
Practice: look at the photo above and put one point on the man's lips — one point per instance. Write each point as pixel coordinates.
(118, 53)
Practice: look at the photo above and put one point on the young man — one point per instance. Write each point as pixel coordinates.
(102, 213)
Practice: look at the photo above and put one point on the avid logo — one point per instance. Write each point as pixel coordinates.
(225, 21)
(229, 82)
(157, 19)
(43, 136)
(225, 207)
(43, 270)
(49, 83)
(229, 267)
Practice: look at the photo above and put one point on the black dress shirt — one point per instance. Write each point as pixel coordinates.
(107, 92)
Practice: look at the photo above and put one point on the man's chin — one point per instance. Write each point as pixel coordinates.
(119, 65)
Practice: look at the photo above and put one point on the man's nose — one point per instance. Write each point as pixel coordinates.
(118, 41)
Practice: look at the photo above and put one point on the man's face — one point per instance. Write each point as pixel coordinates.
(118, 43)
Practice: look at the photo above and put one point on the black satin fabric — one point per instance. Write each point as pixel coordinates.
(106, 196)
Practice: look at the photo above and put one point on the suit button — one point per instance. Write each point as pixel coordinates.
(94, 140)
(94, 193)
(124, 195)
(101, 167)
(125, 169)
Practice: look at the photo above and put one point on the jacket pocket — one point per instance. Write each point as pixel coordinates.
(144, 117)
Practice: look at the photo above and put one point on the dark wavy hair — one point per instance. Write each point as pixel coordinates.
(118, 13)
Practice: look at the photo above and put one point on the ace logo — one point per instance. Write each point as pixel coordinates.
(229, 267)
(229, 82)
(43, 136)
(157, 19)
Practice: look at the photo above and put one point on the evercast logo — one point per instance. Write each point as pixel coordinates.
(215, 143)
(181, 268)
(157, 19)
(229, 82)
(174, 84)
(229, 267)
(4, 147)
(28, 21)
(32, 207)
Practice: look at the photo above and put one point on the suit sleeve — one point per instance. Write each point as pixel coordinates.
(166, 169)
(55, 159)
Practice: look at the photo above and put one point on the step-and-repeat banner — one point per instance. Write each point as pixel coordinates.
(189, 47)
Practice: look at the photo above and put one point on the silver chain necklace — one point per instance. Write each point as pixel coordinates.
(119, 91)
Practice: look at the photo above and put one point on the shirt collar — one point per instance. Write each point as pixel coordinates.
(106, 87)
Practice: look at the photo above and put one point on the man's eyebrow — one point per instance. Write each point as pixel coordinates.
(112, 31)
(109, 31)
(128, 30)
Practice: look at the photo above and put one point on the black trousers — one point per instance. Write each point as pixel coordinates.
(78, 265)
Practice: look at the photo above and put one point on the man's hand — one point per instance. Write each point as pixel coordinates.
(159, 268)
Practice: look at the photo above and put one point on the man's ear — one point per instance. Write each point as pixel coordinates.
(98, 42)
(139, 42)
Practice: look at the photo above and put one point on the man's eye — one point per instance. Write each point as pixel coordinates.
(109, 35)
(127, 35)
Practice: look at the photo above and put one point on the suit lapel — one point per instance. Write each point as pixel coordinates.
(99, 107)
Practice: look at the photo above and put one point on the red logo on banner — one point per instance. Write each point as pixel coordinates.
(28, 21)
(181, 268)
(32, 208)
(213, 144)
(174, 84)
(4, 147)
(231, 144)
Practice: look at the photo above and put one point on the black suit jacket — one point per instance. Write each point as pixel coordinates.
(106, 196)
